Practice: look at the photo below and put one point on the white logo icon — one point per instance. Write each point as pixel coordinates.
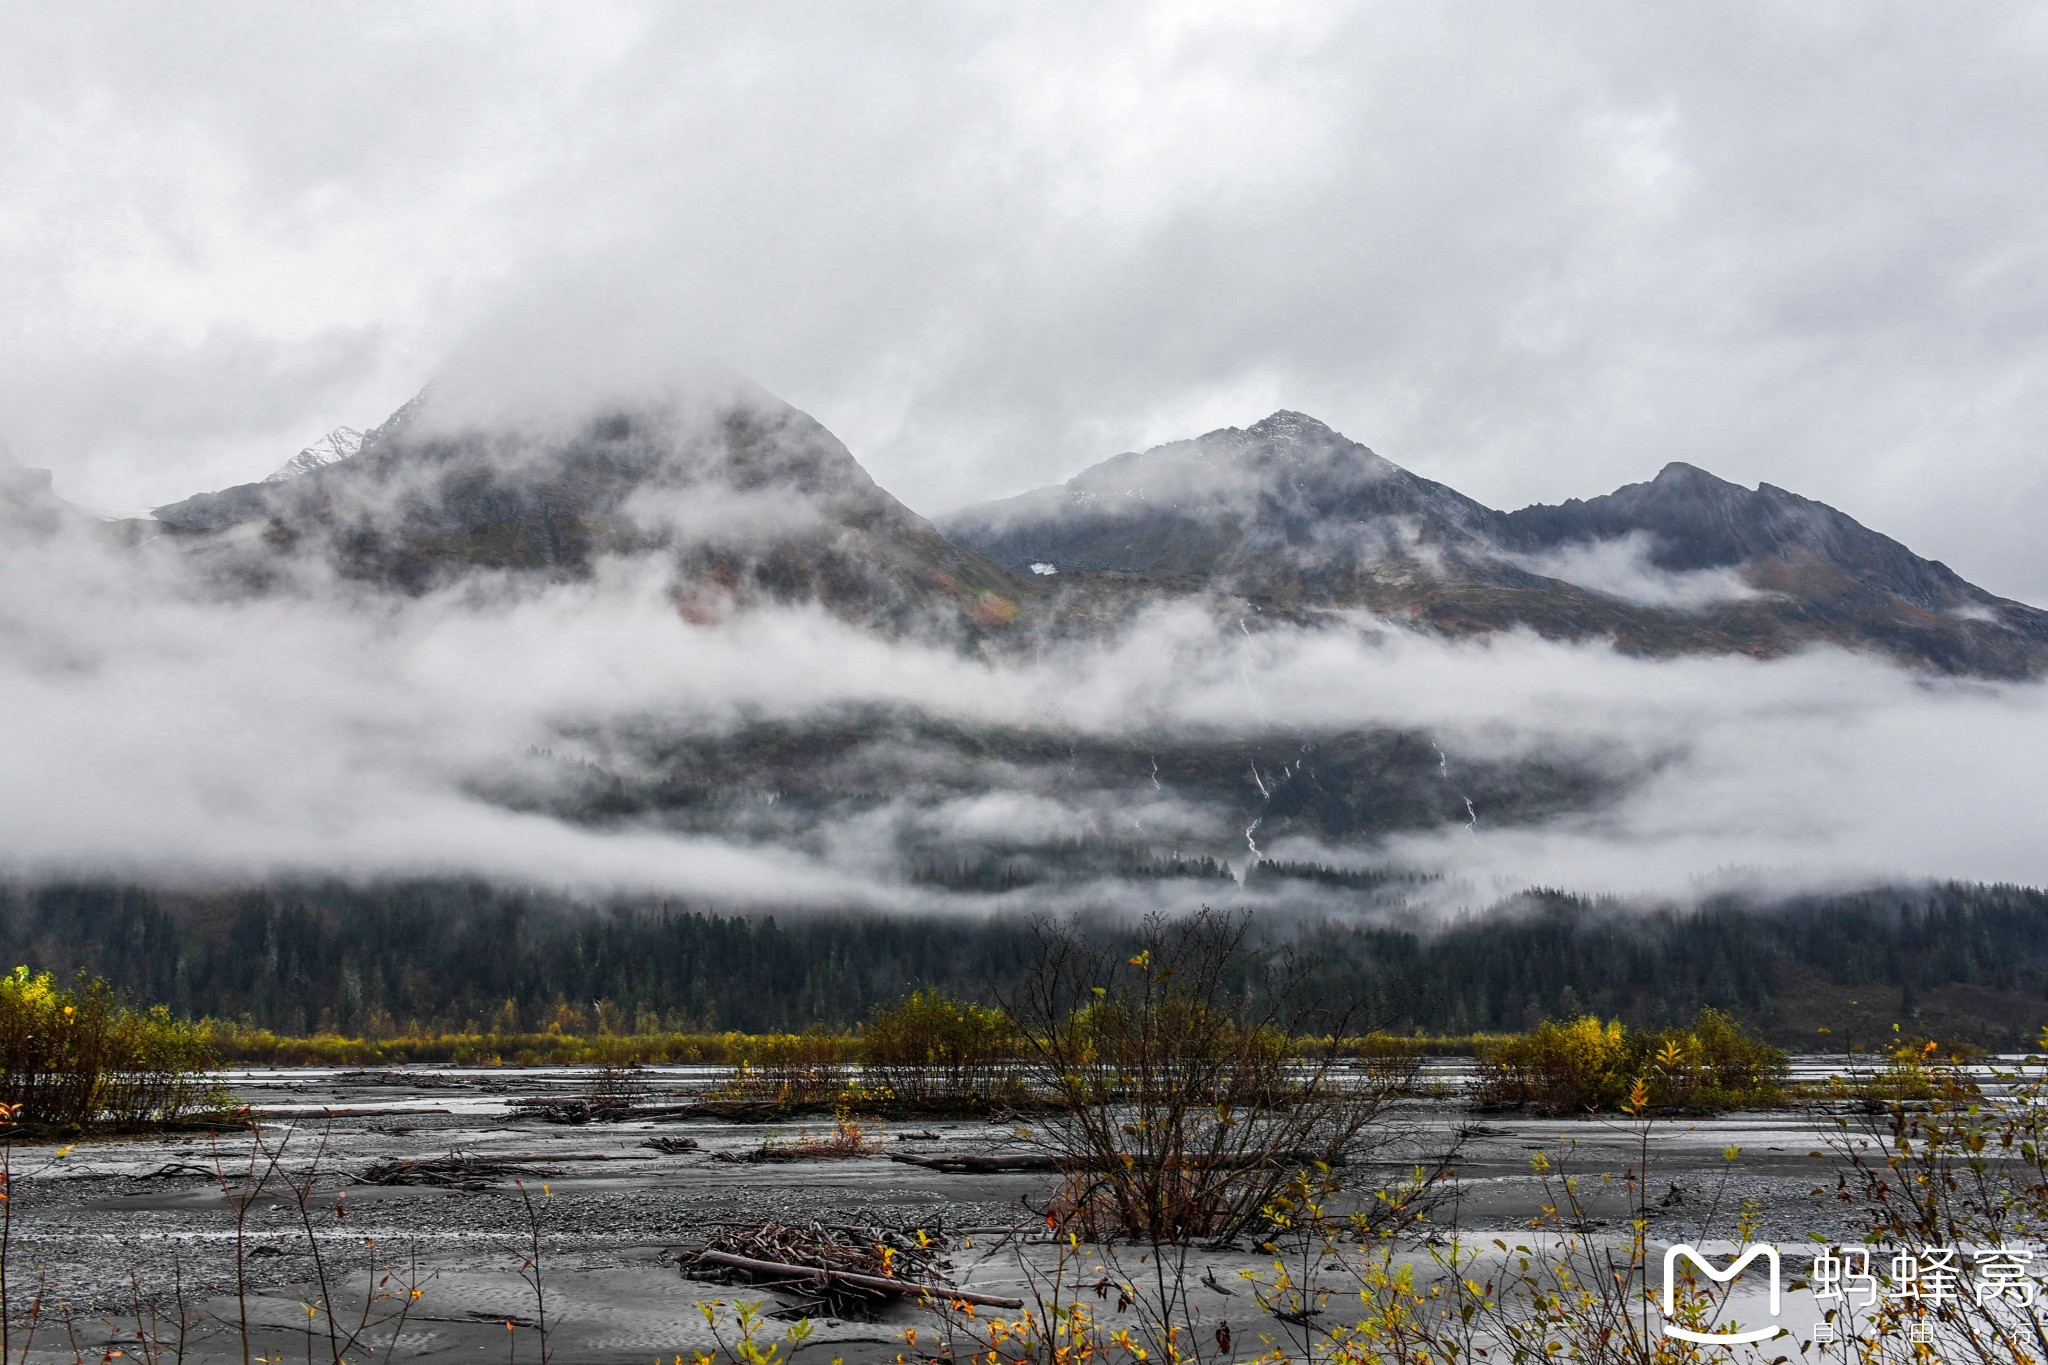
(1770, 1256)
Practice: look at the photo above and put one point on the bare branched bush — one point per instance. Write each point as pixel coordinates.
(792, 1071)
(620, 1080)
(1941, 1152)
(280, 1171)
(1189, 1086)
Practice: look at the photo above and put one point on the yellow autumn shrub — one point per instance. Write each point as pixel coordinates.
(1585, 1065)
(76, 1057)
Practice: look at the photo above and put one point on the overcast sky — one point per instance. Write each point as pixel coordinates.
(1534, 253)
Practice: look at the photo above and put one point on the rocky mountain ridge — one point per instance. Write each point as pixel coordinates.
(747, 499)
(1295, 518)
(1286, 518)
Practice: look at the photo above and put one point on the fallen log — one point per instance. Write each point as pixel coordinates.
(452, 1172)
(972, 1163)
(565, 1156)
(968, 1163)
(329, 1111)
(824, 1278)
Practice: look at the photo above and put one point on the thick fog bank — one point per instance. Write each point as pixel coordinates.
(151, 728)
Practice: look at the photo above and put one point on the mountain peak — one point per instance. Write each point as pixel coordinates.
(1679, 472)
(1240, 506)
(1296, 516)
(747, 499)
(1287, 422)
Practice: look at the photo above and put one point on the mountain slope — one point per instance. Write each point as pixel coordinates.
(1283, 500)
(1698, 522)
(32, 512)
(1294, 517)
(746, 498)
(1812, 567)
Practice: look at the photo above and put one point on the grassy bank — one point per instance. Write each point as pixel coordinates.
(76, 1056)
(241, 1046)
(238, 1045)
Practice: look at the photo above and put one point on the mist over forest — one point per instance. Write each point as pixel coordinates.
(1816, 971)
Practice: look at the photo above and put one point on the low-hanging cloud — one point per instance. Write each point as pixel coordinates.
(149, 729)
(1623, 567)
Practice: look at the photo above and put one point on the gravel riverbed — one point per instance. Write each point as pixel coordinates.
(114, 1224)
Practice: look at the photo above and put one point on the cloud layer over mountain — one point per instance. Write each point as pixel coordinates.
(150, 729)
(1525, 254)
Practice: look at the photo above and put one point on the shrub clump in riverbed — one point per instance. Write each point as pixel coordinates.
(77, 1059)
(1583, 1066)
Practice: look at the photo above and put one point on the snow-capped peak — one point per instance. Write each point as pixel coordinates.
(337, 444)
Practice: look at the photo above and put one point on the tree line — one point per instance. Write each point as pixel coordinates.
(308, 956)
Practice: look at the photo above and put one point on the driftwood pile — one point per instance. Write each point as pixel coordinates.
(452, 1172)
(568, 1109)
(671, 1146)
(411, 1080)
(571, 1111)
(833, 1267)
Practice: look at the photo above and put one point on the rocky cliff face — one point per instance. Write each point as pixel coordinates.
(1294, 517)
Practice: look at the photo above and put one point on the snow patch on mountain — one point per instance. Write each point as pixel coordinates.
(338, 444)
